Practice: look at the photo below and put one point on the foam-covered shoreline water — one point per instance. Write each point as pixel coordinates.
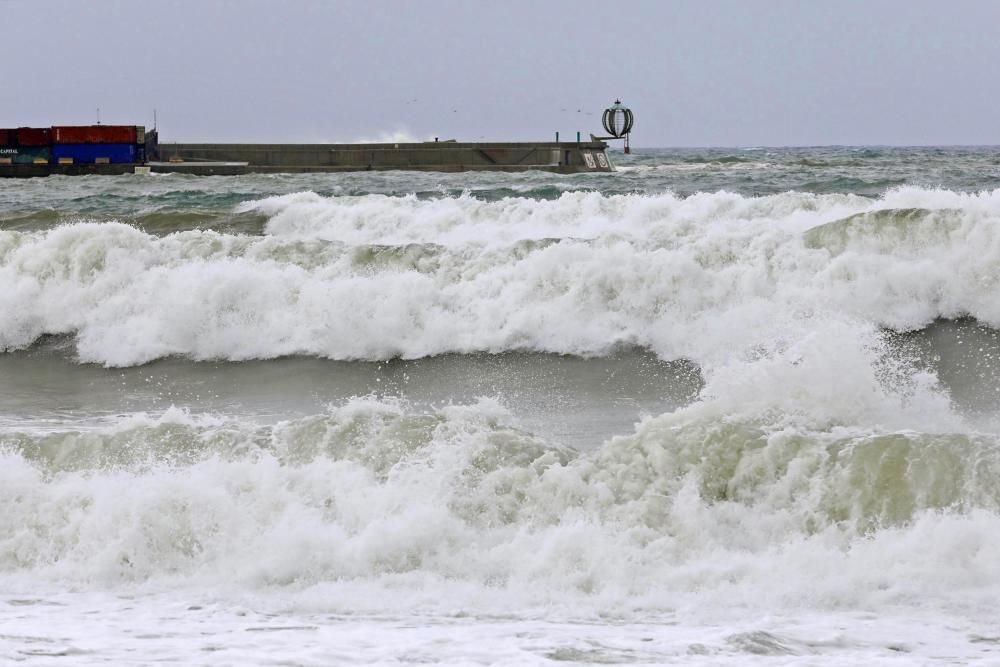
(372, 491)
(646, 418)
(371, 513)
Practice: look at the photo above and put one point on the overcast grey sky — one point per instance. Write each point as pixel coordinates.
(696, 73)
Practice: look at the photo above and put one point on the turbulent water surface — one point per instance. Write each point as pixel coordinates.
(719, 407)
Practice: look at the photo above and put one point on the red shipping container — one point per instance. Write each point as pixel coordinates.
(6, 137)
(33, 136)
(94, 134)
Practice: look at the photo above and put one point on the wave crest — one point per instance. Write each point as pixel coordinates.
(374, 493)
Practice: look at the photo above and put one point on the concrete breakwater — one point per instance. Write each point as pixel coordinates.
(234, 159)
(562, 157)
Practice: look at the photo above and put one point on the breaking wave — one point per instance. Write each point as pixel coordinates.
(820, 465)
(705, 277)
(691, 510)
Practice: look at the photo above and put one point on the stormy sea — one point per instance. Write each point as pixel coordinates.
(721, 407)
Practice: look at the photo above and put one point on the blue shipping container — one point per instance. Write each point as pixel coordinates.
(89, 153)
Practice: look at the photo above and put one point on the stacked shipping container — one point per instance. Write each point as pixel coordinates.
(98, 144)
(95, 134)
(34, 136)
(87, 144)
(25, 145)
(93, 153)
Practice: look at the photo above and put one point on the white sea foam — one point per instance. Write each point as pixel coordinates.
(819, 473)
(705, 277)
(373, 508)
(457, 516)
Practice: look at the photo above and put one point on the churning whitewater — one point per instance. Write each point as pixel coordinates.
(377, 277)
(716, 407)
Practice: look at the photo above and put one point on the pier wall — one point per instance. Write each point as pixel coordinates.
(566, 157)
